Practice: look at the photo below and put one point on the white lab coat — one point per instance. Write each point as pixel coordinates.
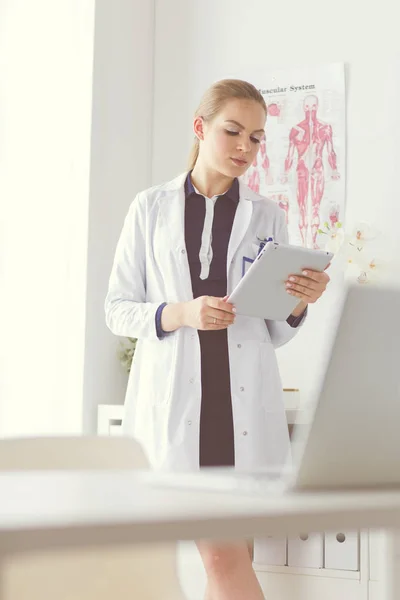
(162, 405)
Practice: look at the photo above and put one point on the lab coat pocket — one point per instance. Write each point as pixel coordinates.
(156, 369)
(271, 385)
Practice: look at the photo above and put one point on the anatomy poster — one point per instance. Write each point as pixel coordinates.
(301, 162)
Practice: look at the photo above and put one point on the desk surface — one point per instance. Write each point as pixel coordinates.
(44, 510)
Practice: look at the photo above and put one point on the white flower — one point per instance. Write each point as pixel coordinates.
(332, 233)
(335, 239)
(362, 234)
(353, 250)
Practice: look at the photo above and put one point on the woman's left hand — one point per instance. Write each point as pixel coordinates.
(309, 286)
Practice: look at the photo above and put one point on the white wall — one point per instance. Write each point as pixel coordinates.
(200, 41)
(45, 88)
(120, 167)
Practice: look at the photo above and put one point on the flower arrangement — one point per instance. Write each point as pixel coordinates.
(359, 252)
(126, 351)
(356, 250)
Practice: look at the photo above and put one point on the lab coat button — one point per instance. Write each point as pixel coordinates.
(189, 422)
(191, 380)
(239, 345)
(244, 432)
(183, 251)
(242, 389)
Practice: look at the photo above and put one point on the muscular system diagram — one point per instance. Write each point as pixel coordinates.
(308, 139)
(301, 162)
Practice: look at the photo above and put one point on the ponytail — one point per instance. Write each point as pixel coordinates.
(194, 154)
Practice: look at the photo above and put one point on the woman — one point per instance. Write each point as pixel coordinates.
(204, 388)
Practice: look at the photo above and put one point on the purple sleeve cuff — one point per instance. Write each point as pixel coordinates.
(159, 330)
(296, 321)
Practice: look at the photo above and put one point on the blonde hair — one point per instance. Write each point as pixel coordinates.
(214, 100)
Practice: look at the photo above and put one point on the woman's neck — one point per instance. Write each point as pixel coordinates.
(209, 183)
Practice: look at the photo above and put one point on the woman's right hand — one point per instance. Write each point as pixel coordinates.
(208, 313)
(204, 313)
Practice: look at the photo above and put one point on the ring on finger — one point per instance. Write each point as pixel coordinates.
(215, 320)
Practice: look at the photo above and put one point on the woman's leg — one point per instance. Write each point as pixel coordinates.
(230, 574)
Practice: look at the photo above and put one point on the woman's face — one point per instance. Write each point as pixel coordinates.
(230, 142)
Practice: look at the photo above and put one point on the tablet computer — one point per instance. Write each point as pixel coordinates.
(262, 290)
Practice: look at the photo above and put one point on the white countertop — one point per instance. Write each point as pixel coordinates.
(39, 510)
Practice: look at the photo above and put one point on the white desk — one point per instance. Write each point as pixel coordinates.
(78, 509)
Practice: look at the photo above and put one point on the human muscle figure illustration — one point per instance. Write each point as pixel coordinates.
(309, 139)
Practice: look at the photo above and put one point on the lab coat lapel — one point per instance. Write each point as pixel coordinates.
(242, 220)
(172, 209)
